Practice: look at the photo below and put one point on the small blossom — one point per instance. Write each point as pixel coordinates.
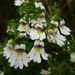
(18, 2)
(54, 22)
(62, 22)
(56, 37)
(38, 26)
(72, 57)
(42, 19)
(37, 22)
(37, 51)
(37, 34)
(33, 22)
(44, 72)
(64, 30)
(23, 26)
(8, 50)
(19, 57)
(39, 4)
(20, 35)
(9, 29)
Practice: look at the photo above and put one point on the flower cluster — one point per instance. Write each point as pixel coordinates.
(16, 55)
(36, 30)
(57, 34)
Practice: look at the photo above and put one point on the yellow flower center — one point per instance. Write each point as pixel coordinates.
(55, 37)
(62, 27)
(39, 32)
(23, 26)
(41, 18)
(19, 54)
(38, 50)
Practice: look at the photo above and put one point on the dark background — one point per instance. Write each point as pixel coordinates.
(7, 11)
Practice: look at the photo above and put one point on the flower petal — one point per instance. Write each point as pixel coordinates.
(37, 58)
(44, 54)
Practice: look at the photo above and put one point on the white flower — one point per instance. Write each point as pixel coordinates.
(38, 23)
(36, 31)
(20, 35)
(62, 22)
(23, 26)
(42, 19)
(1, 73)
(8, 50)
(37, 34)
(18, 2)
(56, 37)
(37, 51)
(33, 22)
(72, 57)
(44, 72)
(39, 4)
(19, 57)
(54, 22)
(9, 29)
(64, 30)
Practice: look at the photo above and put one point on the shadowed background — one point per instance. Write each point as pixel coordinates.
(7, 12)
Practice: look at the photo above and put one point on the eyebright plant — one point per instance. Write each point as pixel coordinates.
(35, 35)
